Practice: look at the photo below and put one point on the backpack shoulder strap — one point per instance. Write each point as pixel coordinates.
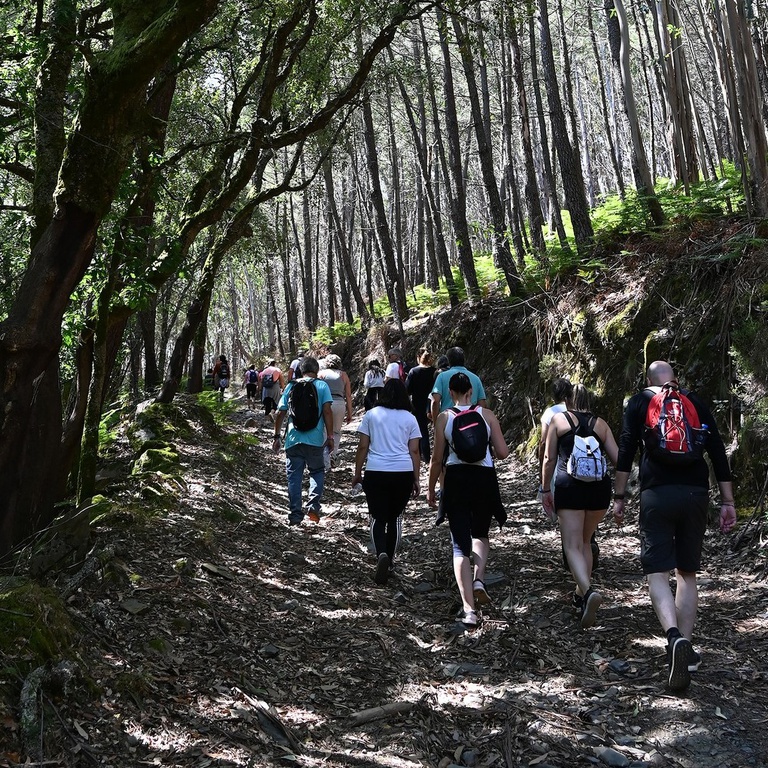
(567, 415)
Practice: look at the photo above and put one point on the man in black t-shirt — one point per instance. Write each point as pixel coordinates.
(673, 519)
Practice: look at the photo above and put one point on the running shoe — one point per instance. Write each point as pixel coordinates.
(382, 569)
(680, 653)
(592, 601)
(468, 619)
(481, 595)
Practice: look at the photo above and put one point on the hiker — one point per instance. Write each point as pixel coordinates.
(419, 382)
(395, 367)
(272, 384)
(341, 390)
(251, 384)
(373, 383)
(389, 450)
(307, 403)
(470, 495)
(562, 390)
(221, 375)
(294, 371)
(208, 379)
(441, 398)
(578, 500)
(674, 498)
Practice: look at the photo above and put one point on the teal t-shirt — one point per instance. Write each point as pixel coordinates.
(441, 386)
(314, 436)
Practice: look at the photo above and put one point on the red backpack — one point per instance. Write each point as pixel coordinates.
(673, 432)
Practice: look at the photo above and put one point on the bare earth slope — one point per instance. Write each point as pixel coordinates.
(252, 643)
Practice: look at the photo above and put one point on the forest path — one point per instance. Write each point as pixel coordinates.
(244, 611)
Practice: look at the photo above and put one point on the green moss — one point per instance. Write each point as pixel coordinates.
(620, 326)
(164, 460)
(34, 624)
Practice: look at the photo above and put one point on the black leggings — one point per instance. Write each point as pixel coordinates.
(387, 494)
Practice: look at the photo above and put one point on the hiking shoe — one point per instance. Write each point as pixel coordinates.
(314, 515)
(481, 596)
(680, 653)
(382, 569)
(591, 602)
(468, 619)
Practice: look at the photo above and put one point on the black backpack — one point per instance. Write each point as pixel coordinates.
(303, 405)
(223, 371)
(267, 381)
(253, 377)
(469, 435)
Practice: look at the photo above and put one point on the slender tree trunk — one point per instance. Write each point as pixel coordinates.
(502, 254)
(570, 167)
(458, 196)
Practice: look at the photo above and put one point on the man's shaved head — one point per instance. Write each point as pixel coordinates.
(660, 372)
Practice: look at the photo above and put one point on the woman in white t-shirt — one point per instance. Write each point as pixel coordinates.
(389, 449)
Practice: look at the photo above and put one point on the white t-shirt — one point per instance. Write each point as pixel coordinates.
(393, 371)
(389, 431)
(546, 417)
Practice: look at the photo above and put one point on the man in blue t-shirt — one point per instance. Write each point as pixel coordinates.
(305, 448)
(441, 396)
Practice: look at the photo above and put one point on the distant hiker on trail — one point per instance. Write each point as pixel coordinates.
(373, 383)
(221, 375)
(419, 382)
(208, 379)
(307, 403)
(574, 455)
(389, 450)
(562, 391)
(272, 383)
(294, 371)
(468, 438)
(441, 396)
(251, 384)
(395, 367)
(341, 390)
(673, 428)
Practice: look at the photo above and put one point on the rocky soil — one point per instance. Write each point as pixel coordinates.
(221, 637)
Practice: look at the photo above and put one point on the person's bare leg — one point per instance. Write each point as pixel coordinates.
(686, 602)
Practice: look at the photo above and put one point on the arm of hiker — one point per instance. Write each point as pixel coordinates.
(436, 464)
(500, 447)
(347, 395)
(727, 507)
(543, 443)
(619, 490)
(328, 419)
(362, 453)
(415, 452)
(436, 400)
(609, 443)
(548, 470)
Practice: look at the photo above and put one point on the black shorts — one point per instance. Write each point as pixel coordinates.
(251, 390)
(471, 499)
(673, 521)
(576, 494)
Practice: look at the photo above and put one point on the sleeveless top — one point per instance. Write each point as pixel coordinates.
(335, 382)
(453, 459)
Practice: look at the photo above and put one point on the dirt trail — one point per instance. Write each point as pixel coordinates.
(245, 613)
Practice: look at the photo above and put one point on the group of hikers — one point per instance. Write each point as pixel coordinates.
(436, 412)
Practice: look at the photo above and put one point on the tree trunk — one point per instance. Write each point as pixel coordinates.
(570, 167)
(502, 254)
(458, 196)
